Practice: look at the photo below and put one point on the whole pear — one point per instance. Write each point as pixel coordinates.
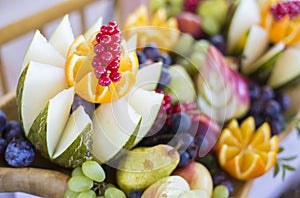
(143, 166)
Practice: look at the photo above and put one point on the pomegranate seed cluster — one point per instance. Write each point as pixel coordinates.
(106, 62)
(290, 8)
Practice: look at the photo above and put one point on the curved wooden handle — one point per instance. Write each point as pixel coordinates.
(35, 181)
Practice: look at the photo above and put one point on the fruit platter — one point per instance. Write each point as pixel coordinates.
(182, 98)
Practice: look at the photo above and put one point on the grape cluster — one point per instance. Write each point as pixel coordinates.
(106, 62)
(268, 106)
(281, 9)
(149, 54)
(17, 151)
(88, 181)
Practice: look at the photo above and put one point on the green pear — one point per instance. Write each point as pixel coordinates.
(144, 166)
(181, 86)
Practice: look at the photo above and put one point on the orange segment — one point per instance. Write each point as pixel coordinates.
(80, 73)
(245, 153)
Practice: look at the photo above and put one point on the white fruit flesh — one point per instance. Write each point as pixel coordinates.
(62, 36)
(43, 52)
(41, 83)
(114, 124)
(286, 68)
(58, 114)
(77, 122)
(147, 104)
(247, 14)
(148, 77)
(256, 44)
(94, 28)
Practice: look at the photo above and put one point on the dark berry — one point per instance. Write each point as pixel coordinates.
(271, 108)
(229, 185)
(151, 51)
(3, 144)
(181, 123)
(19, 153)
(257, 106)
(254, 91)
(141, 57)
(219, 42)
(276, 128)
(284, 101)
(184, 159)
(13, 131)
(3, 119)
(184, 140)
(259, 120)
(266, 93)
(135, 194)
(165, 78)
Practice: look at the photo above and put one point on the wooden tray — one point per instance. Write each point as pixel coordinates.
(48, 180)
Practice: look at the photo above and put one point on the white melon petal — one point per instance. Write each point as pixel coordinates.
(62, 36)
(147, 104)
(114, 124)
(94, 28)
(43, 52)
(37, 85)
(148, 77)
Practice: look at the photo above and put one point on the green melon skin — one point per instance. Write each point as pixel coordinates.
(79, 151)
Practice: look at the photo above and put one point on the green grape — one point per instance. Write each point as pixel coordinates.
(156, 4)
(201, 46)
(93, 170)
(113, 192)
(175, 3)
(184, 45)
(87, 194)
(80, 183)
(70, 194)
(77, 171)
(220, 191)
(211, 26)
(100, 196)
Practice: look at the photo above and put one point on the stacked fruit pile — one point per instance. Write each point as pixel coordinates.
(191, 101)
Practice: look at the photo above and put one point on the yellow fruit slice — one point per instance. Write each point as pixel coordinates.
(245, 153)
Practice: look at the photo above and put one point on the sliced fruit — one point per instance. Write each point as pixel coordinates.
(286, 69)
(43, 52)
(251, 153)
(75, 144)
(148, 77)
(246, 14)
(116, 125)
(256, 44)
(62, 36)
(93, 28)
(37, 84)
(147, 104)
(48, 126)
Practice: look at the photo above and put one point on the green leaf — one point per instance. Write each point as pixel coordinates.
(288, 158)
(288, 167)
(276, 170)
(283, 174)
(280, 149)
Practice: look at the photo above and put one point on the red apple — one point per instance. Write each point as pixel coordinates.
(190, 23)
(197, 176)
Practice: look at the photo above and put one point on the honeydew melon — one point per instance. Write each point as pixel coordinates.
(49, 124)
(147, 104)
(93, 28)
(62, 36)
(148, 77)
(43, 52)
(115, 128)
(37, 84)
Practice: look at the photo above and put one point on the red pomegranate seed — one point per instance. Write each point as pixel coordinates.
(281, 9)
(104, 80)
(115, 76)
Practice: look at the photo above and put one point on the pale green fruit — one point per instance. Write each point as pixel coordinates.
(37, 84)
(116, 125)
(48, 126)
(41, 51)
(93, 28)
(181, 86)
(144, 166)
(147, 104)
(62, 36)
(148, 77)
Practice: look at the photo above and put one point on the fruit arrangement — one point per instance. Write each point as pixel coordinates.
(188, 98)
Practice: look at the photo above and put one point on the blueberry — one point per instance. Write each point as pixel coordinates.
(2, 121)
(284, 101)
(141, 57)
(276, 128)
(219, 42)
(165, 59)
(181, 123)
(165, 78)
(3, 144)
(257, 106)
(259, 120)
(272, 108)
(13, 131)
(254, 91)
(135, 194)
(266, 93)
(19, 153)
(151, 51)
(185, 140)
(184, 159)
